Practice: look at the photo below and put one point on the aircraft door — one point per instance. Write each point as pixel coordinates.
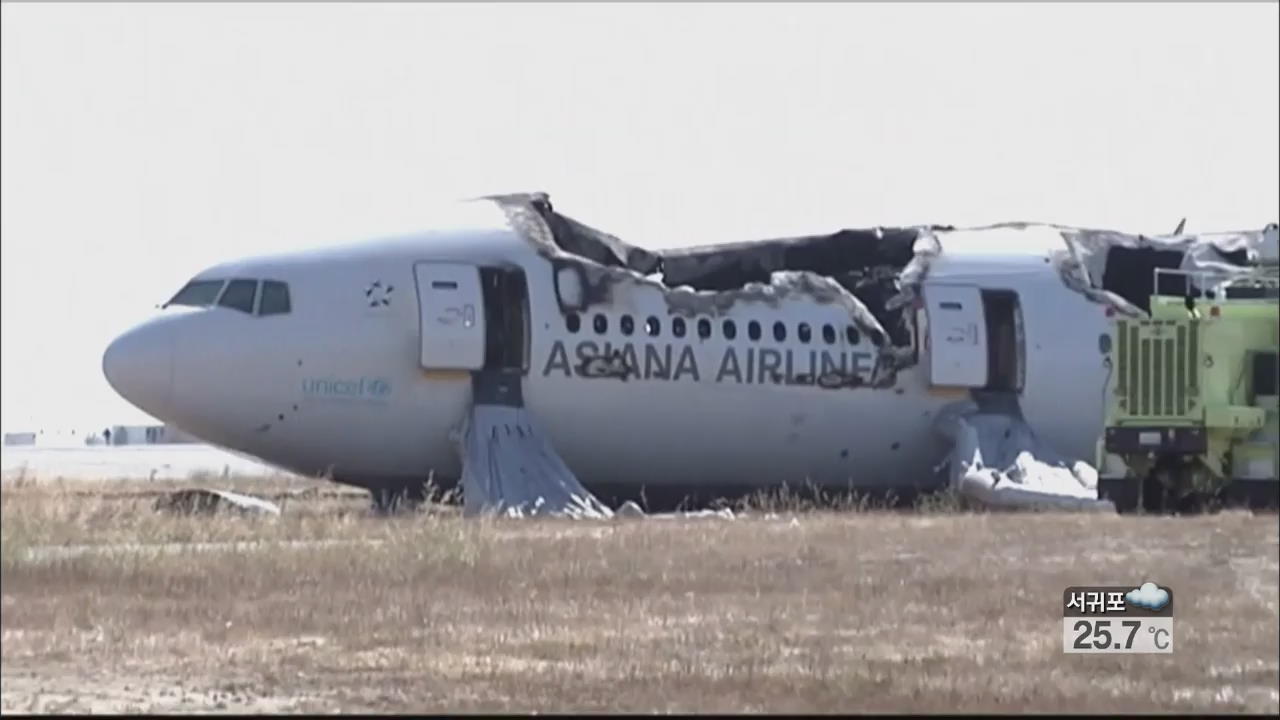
(451, 316)
(957, 335)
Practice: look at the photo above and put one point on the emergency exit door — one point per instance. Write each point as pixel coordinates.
(451, 316)
(957, 335)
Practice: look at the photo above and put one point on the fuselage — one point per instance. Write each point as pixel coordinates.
(341, 382)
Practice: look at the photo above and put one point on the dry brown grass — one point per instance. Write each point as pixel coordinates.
(822, 611)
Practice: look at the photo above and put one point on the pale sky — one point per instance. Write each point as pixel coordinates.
(142, 143)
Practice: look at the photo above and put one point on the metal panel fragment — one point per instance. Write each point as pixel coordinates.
(208, 501)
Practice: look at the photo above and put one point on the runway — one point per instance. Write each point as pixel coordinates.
(134, 462)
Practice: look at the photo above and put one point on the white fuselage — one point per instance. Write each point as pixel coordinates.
(337, 383)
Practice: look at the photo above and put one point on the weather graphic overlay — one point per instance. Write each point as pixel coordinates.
(1118, 619)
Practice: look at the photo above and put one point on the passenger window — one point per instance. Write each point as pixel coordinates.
(730, 330)
(828, 334)
(851, 334)
(652, 326)
(197, 293)
(704, 328)
(573, 322)
(601, 324)
(779, 331)
(275, 298)
(753, 330)
(627, 324)
(804, 333)
(239, 295)
(677, 327)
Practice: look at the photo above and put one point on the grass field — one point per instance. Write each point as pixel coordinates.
(789, 611)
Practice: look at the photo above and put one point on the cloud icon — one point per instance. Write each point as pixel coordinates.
(1149, 596)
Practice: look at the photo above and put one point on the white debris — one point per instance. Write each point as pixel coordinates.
(723, 513)
(629, 509)
(998, 460)
(206, 500)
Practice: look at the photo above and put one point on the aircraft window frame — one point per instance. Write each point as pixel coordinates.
(627, 325)
(730, 329)
(829, 333)
(217, 293)
(600, 323)
(704, 328)
(754, 330)
(780, 331)
(678, 327)
(253, 298)
(653, 326)
(572, 323)
(804, 333)
(261, 310)
(851, 335)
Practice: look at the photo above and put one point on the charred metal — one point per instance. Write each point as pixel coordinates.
(1121, 270)
(858, 270)
(874, 275)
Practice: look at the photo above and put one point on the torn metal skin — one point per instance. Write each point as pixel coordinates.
(1118, 270)
(874, 275)
(884, 265)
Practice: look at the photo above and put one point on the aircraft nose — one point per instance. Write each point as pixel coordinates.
(139, 366)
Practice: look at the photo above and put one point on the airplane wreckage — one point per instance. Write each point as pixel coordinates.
(876, 276)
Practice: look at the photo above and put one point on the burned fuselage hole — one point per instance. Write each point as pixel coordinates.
(866, 263)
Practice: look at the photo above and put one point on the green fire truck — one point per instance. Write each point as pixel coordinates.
(1192, 418)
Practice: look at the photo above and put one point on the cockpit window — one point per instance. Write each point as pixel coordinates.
(197, 293)
(239, 295)
(275, 298)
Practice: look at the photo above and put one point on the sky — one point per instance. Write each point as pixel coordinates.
(142, 143)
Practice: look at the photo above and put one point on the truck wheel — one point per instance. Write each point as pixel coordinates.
(1154, 493)
(1121, 491)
